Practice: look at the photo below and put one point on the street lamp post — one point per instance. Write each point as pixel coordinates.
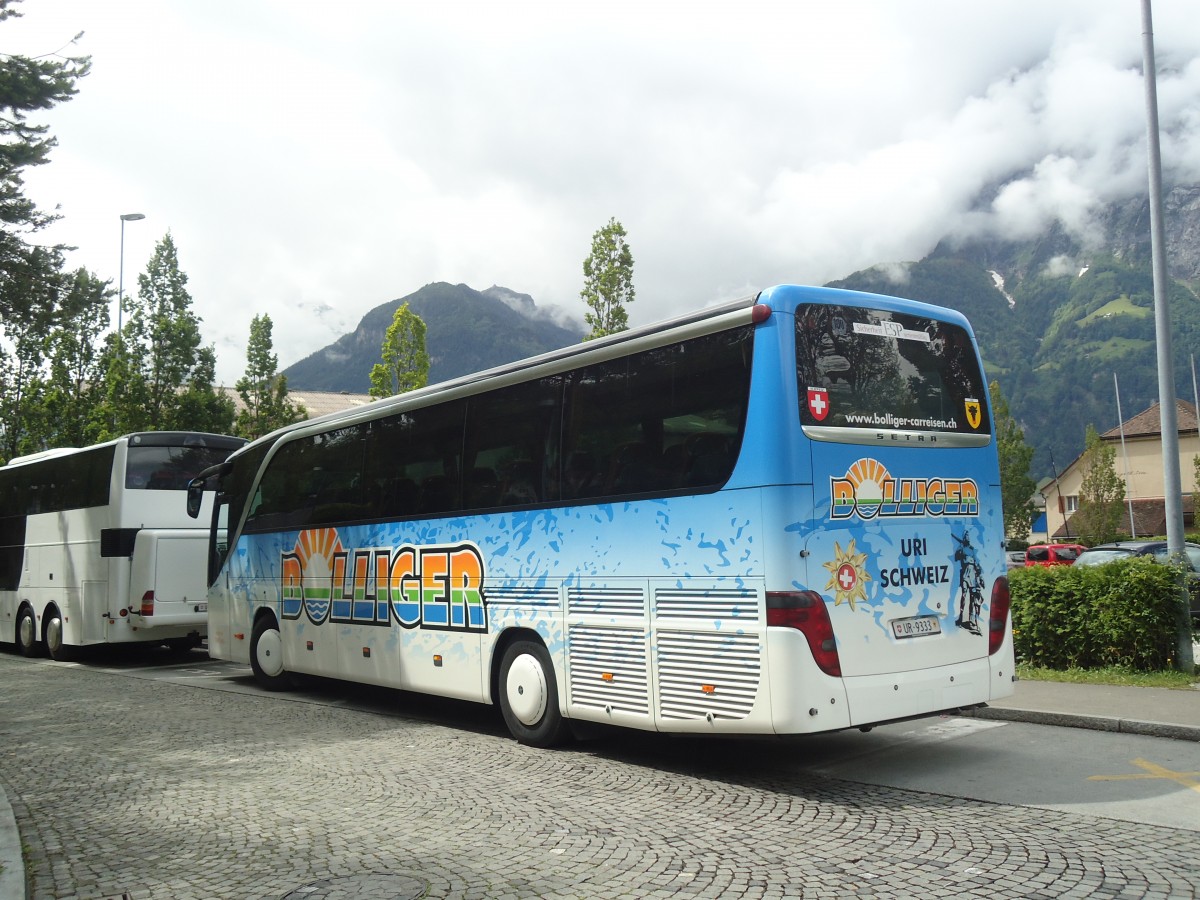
(127, 217)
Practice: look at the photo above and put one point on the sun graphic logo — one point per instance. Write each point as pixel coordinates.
(308, 574)
(847, 574)
(861, 491)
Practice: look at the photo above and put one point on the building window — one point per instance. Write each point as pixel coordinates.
(1072, 504)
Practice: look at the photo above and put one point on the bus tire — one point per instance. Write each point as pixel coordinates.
(58, 650)
(266, 655)
(27, 636)
(529, 695)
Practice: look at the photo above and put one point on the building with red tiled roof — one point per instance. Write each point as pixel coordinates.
(1139, 461)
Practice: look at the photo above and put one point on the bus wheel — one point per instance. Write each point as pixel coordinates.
(59, 651)
(529, 695)
(27, 640)
(266, 655)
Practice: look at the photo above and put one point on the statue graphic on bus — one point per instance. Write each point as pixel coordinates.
(970, 584)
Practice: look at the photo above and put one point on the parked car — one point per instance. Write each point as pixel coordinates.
(1053, 554)
(1106, 553)
(1015, 558)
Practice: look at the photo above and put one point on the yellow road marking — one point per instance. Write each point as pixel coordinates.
(1153, 770)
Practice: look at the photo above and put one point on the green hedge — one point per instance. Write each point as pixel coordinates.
(1119, 614)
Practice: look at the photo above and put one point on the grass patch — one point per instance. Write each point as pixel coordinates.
(1122, 306)
(1110, 675)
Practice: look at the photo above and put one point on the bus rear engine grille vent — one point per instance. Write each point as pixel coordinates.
(711, 604)
(702, 674)
(606, 602)
(608, 669)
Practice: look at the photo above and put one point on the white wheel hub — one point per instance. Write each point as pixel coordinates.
(28, 631)
(526, 689)
(54, 634)
(269, 653)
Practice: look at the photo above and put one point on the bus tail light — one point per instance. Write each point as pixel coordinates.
(805, 611)
(148, 603)
(998, 617)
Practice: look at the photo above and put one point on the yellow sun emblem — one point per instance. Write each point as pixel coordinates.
(847, 576)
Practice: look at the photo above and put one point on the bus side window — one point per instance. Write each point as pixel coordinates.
(397, 498)
(413, 462)
(634, 469)
(580, 478)
(512, 444)
(256, 502)
(707, 459)
(660, 420)
(482, 488)
(519, 484)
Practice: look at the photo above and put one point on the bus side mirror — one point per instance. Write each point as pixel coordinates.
(195, 496)
(195, 488)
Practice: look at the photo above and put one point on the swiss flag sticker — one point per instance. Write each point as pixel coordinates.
(818, 403)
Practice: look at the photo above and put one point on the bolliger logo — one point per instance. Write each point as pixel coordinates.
(868, 491)
(437, 587)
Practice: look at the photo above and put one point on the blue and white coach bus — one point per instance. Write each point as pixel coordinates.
(778, 516)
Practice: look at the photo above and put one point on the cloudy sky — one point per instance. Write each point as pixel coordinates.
(313, 160)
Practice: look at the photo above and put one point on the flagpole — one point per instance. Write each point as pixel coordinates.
(1169, 427)
(1125, 453)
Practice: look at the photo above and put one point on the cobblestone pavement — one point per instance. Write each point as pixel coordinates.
(130, 788)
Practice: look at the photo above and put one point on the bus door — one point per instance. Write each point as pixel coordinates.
(220, 624)
(368, 644)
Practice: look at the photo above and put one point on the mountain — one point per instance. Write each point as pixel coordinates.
(1057, 316)
(466, 331)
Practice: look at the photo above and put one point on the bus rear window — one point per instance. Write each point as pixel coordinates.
(169, 468)
(867, 369)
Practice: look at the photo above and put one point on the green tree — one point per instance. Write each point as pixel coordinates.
(20, 368)
(31, 278)
(27, 85)
(1195, 485)
(163, 334)
(608, 281)
(158, 376)
(201, 406)
(405, 365)
(120, 408)
(1016, 486)
(1098, 518)
(74, 386)
(264, 391)
(21, 362)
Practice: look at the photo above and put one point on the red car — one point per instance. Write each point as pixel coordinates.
(1053, 554)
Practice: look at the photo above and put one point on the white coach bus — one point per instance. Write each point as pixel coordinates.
(96, 545)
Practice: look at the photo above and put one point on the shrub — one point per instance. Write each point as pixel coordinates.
(1119, 614)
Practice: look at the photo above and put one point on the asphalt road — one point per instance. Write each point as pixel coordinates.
(143, 777)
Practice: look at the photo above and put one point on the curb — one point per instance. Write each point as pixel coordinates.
(1094, 723)
(12, 876)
